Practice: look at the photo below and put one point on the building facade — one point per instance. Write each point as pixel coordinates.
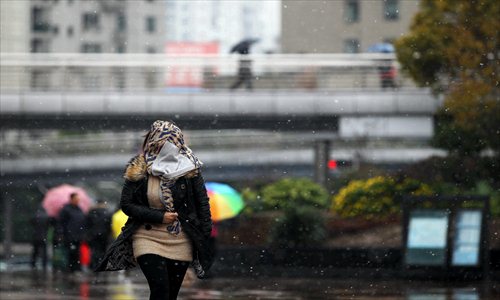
(225, 22)
(98, 26)
(90, 26)
(343, 26)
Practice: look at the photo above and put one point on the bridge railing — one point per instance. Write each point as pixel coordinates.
(75, 72)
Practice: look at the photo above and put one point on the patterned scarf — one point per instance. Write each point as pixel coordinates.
(169, 158)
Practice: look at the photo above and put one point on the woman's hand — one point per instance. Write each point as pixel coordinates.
(169, 217)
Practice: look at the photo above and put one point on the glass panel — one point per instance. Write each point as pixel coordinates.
(465, 295)
(391, 9)
(427, 231)
(121, 22)
(351, 46)
(351, 11)
(467, 238)
(426, 296)
(151, 24)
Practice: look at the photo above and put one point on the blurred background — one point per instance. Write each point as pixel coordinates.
(359, 135)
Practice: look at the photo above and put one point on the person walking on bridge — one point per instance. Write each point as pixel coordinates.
(169, 222)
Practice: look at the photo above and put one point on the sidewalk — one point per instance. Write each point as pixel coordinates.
(18, 285)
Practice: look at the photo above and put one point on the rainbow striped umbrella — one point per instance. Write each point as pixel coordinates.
(225, 202)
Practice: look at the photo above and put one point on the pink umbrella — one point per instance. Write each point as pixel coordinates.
(57, 197)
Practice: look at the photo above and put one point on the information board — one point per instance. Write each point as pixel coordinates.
(427, 237)
(467, 238)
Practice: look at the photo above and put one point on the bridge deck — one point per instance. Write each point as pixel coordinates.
(216, 109)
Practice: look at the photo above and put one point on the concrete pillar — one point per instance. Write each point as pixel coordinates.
(7, 223)
(321, 157)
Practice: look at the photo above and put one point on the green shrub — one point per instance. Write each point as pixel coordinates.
(484, 189)
(302, 226)
(253, 201)
(303, 204)
(293, 192)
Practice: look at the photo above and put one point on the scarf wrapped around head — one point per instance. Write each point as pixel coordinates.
(168, 157)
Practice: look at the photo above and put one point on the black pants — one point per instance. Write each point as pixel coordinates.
(164, 275)
(73, 252)
(98, 249)
(39, 249)
(244, 76)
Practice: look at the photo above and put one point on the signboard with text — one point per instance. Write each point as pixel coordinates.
(188, 76)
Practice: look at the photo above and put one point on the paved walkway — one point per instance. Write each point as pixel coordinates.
(119, 286)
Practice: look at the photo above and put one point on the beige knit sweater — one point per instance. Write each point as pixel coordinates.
(154, 238)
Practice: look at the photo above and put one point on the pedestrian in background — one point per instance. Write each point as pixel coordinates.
(73, 224)
(244, 75)
(98, 231)
(169, 226)
(40, 223)
(245, 65)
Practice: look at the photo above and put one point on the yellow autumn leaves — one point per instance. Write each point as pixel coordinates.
(375, 197)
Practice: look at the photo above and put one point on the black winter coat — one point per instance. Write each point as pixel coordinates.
(73, 223)
(98, 225)
(40, 223)
(191, 204)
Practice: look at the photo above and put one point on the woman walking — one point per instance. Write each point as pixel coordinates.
(169, 221)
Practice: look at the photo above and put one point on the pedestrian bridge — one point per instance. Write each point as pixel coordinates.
(120, 91)
(284, 110)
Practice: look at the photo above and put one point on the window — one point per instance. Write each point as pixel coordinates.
(91, 48)
(121, 49)
(150, 24)
(391, 10)
(351, 11)
(351, 46)
(150, 49)
(39, 21)
(121, 23)
(389, 40)
(90, 21)
(38, 45)
(70, 31)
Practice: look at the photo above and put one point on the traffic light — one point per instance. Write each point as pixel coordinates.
(332, 164)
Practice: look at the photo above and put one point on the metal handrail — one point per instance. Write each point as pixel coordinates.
(149, 72)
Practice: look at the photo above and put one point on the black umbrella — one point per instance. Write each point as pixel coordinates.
(243, 47)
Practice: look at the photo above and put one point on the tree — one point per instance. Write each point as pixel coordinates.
(453, 48)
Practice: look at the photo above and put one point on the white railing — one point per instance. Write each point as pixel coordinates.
(77, 72)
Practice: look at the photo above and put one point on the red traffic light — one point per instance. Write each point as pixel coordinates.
(332, 164)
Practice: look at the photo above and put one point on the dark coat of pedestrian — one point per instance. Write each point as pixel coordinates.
(40, 223)
(183, 224)
(72, 221)
(98, 231)
(245, 75)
